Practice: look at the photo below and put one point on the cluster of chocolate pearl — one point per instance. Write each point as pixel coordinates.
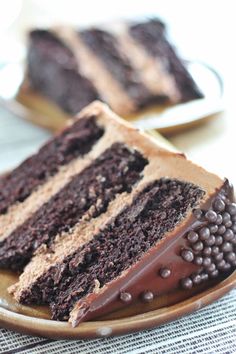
(146, 296)
(212, 245)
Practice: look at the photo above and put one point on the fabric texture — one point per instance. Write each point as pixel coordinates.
(210, 330)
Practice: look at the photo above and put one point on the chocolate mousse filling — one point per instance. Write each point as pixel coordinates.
(53, 71)
(88, 193)
(106, 47)
(155, 211)
(152, 36)
(75, 141)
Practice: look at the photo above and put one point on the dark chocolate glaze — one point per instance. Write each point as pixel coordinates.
(144, 276)
(152, 36)
(115, 171)
(54, 72)
(74, 141)
(105, 46)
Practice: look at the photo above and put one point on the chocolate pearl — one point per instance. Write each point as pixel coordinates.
(228, 224)
(125, 297)
(219, 240)
(214, 274)
(198, 260)
(226, 247)
(196, 278)
(198, 246)
(221, 230)
(228, 235)
(227, 266)
(197, 213)
(231, 208)
(147, 296)
(219, 256)
(231, 257)
(207, 251)
(204, 276)
(218, 204)
(165, 272)
(226, 217)
(221, 264)
(187, 255)
(234, 228)
(215, 250)
(187, 283)
(219, 219)
(233, 263)
(192, 237)
(206, 261)
(233, 241)
(211, 267)
(213, 228)
(210, 241)
(211, 216)
(204, 233)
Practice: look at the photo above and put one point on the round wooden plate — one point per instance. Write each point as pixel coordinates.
(110, 327)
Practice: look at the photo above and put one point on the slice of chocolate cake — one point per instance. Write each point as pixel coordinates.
(132, 68)
(124, 221)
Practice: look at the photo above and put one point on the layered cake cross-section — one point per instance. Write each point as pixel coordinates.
(131, 67)
(102, 217)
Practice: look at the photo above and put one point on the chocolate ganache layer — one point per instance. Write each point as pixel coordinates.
(135, 222)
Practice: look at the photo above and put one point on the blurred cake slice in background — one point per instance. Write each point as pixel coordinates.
(131, 69)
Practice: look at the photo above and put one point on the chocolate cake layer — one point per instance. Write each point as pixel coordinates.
(73, 142)
(54, 72)
(152, 35)
(106, 47)
(90, 192)
(155, 211)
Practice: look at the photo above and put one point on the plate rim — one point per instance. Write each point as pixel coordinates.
(107, 328)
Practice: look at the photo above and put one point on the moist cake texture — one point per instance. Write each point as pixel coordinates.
(130, 69)
(131, 222)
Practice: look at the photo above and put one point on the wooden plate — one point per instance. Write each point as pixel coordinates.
(122, 324)
(167, 119)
